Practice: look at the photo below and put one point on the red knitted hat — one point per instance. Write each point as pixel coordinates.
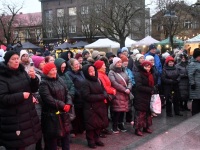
(48, 67)
(146, 63)
(98, 64)
(169, 58)
(78, 55)
(124, 58)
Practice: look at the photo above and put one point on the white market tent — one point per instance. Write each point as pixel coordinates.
(129, 42)
(195, 39)
(103, 43)
(146, 41)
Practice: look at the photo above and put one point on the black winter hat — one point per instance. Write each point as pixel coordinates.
(196, 53)
(8, 55)
(85, 52)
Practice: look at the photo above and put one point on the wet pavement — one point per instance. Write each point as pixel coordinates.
(168, 133)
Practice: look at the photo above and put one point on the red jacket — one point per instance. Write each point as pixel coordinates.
(106, 82)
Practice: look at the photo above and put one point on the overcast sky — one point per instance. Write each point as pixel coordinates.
(35, 6)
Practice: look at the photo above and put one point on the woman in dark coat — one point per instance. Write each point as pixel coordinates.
(19, 123)
(56, 100)
(144, 90)
(121, 82)
(76, 75)
(95, 109)
(170, 80)
(62, 66)
(184, 80)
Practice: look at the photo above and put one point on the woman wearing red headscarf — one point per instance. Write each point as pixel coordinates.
(144, 90)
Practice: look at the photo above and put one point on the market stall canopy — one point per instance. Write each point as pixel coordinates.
(64, 46)
(103, 43)
(195, 39)
(79, 44)
(167, 41)
(146, 41)
(129, 42)
(28, 45)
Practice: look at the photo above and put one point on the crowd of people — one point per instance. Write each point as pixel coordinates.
(39, 92)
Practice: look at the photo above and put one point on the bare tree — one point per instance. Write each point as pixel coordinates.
(171, 16)
(88, 23)
(119, 18)
(8, 11)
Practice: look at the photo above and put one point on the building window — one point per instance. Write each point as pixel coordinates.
(98, 8)
(49, 32)
(195, 25)
(48, 17)
(60, 13)
(27, 34)
(16, 34)
(72, 11)
(84, 10)
(187, 24)
(86, 28)
(72, 29)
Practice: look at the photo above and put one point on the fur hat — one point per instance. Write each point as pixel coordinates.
(124, 49)
(138, 56)
(124, 58)
(98, 64)
(37, 60)
(48, 67)
(9, 54)
(135, 51)
(165, 55)
(149, 57)
(169, 58)
(22, 52)
(146, 63)
(115, 60)
(95, 55)
(196, 53)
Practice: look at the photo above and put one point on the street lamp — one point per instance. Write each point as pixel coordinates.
(171, 17)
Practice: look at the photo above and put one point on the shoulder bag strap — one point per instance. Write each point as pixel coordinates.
(122, 78)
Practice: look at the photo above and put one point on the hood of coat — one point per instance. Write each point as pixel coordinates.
(58, 62)
(64, 55)
(86, 73)
(6, 71)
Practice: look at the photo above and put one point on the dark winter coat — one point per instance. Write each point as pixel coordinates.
(170, 80)
(70, 85)
(182, 68)
(95, 110)
(194, 78)
(17, 113)
(54, 95)
(143, 91)
(120, 104)
(77, 78)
